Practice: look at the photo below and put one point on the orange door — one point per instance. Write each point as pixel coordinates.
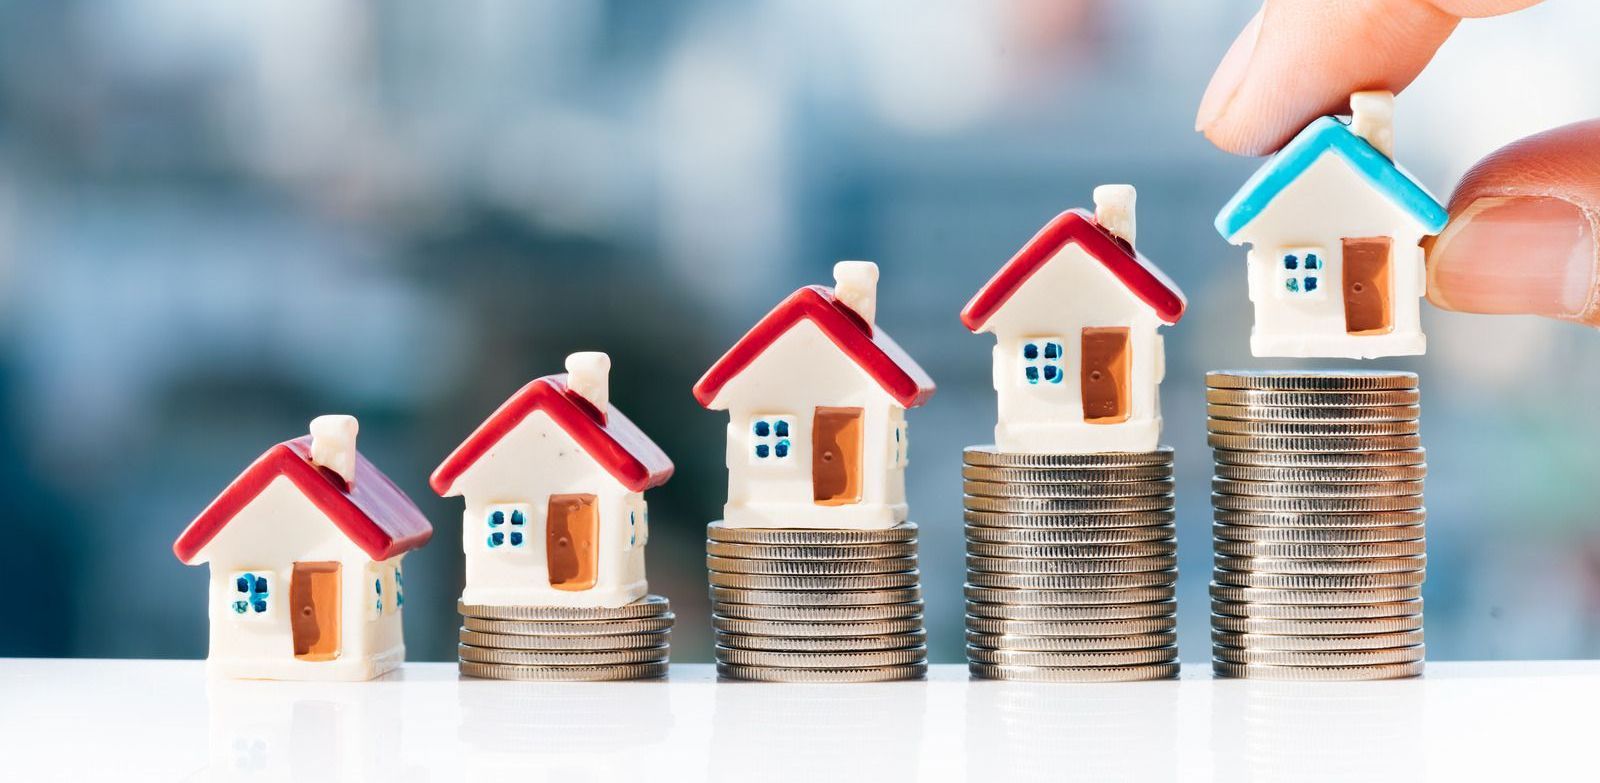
(1367, 289)
(571, 539)
(314, 610)
(1105, 374)
(836, 456)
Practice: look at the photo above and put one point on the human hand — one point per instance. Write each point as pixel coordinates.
(1524, 221)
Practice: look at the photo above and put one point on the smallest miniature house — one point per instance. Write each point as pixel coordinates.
(554, 484)
(1334, 227)
(1078, 360)
(305, 549)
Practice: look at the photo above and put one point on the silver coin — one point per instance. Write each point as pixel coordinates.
(1304, 565)
(815, 629)
(1037, 597)
(1126, 565)
(1079, 552)
(822, 660)
(1072, 581)
(1312, 380)
(993, 536)
(1357, 627)
(614, 642)
(1345, 489)
(1321, 399)
(1067, 505)
(1312, 429)
(808, 598)
(1382, 549)
(1312, 459)
(1323, 475)
(562, 657)
(831, 583)
(990, 457)
(836, 552)
(823, 614)
(1316, 673)
(1304, 519)
(495, 671)
(887, 565)
(1057, 613)
(1342, 597)
(1319, 445)
(1322, 658)
(1318, 535)
(1126, 489)
(1092, 658)
(1155, 671)
(822, 643)
(1253, 641)
(1318, 581)
(1069, 522)
(1316, 505)
(914, 671)
(570, 628)
(985, 625)
(1380, 413)
(1066, 475)
(719, 531)
(648, 606)
(1071, 643)
(1318, 612)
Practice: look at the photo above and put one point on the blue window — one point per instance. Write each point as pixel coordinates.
(377, 592)
(1300, 273)
(770, 438)
(251, 591)
(508, 526)
(1043, 361)
(399, 590)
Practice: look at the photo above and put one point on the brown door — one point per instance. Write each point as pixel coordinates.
(571, 539)
(1367, 288)
(1104, 377)
(836, 456)
(314, 610)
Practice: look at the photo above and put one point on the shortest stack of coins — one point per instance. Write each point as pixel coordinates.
(803, 605)
(1319, 547)
(1071, 566)
(566, 644)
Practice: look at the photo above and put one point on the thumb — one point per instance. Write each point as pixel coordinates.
(1522, 231)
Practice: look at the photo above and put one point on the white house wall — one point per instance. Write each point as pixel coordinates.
(799, 372)
(1068, 293)
(533, 461)
(1326, 204)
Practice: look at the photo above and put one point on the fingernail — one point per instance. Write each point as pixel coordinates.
(1532, 255)
(1229, 75)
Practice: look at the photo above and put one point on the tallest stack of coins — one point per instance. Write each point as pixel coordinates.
(1318, 535)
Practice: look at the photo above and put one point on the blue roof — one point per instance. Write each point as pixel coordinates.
(1328, 134)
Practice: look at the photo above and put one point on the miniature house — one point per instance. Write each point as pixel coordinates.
(816, 396)
(1078, 361)
(305, 549)
(554, 483)
(1334, 227)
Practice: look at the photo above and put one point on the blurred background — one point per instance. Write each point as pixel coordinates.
(219, 220)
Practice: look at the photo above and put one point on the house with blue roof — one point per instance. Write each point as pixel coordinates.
(1335, 226)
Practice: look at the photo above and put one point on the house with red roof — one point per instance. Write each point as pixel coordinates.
(554, 485)
(816, 395)
(1078, 358)
(305, 549)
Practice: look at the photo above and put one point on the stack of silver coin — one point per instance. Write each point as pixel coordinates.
(1071, 566)
(566, 644)
(1318, 536)
(803, 605)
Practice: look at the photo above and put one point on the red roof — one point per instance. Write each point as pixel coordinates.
(1076, 225)
(609, 437)
(373, 513)
(872, 349)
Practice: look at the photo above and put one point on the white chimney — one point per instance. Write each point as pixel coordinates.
(856, 284)
(1372, 118)
(1113, 210)
(589, 375)
(333, 444)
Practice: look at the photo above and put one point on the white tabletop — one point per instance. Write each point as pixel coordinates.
(165, 720)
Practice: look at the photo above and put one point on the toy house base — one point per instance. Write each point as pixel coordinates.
(352, 669)
(597, 597)
(1342, 346)
(1079, 437)
(815, 517)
